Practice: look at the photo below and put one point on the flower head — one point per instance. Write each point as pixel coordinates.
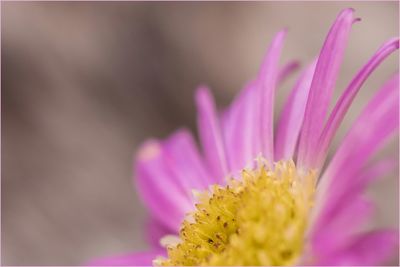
(256, 195)
(259, 219)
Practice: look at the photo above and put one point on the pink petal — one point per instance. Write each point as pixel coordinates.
(372, 248)
(344, 180)
(378, 170)
(159, 188)
(156, 230)
(131, 259)
(242, 122)
(185, 162)
(345, 211)
(362, 140)
(210, 135)
(356, 184)
(340, 224)
(165, 177)
(322, 86)
(266, 83)
(292, 116)
(348, 95)
(286, 71)
(239, 129)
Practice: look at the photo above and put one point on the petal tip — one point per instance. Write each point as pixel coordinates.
(396, 41)
(148, 150)
(284, 30)
(282, 33)
(348, 10)
(202, 91)
(347, 13)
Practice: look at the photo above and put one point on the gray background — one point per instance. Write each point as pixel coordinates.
(83, 84)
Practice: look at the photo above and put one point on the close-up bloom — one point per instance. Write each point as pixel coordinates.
(263, 193)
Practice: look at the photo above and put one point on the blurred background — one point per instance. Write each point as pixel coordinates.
(83, 84)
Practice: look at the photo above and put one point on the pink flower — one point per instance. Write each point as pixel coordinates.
(275, 204)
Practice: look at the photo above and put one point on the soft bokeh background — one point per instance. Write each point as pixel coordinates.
(83, 84)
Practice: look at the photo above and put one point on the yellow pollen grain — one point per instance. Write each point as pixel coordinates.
(259, 219)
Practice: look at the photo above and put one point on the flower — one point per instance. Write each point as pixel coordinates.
(256, 195)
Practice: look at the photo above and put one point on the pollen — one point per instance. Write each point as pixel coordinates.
(257, 219)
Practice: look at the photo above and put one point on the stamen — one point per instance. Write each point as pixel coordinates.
(259, 219)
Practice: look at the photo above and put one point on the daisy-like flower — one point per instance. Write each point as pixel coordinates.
(255, 195)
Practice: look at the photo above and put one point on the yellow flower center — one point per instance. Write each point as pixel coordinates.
(259, 219)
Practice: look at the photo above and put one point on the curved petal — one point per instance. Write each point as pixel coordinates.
(292, 116)
(210, 135)
(346, 211)
(348, 95)
(239, 129)
(184, 160)
(266, 86)
(286, 71)
(356, 184)
(362, 140)
(322, 86)
(339, 225)
(339, 198)
(368, 249)
(160, 188)
(344, 180)
(131, 259)
(156, 230)
(244, 122)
